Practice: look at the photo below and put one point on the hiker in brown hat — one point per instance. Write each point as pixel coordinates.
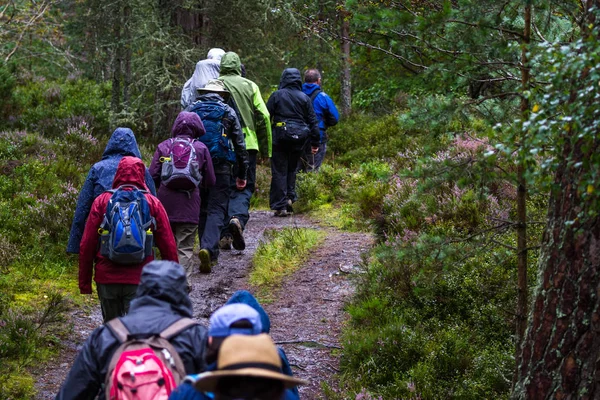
(248, 367)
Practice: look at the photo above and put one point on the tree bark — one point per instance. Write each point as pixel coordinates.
(346, 90)
(560, 356)
(127, 56)
(522, 288)
(115, 103)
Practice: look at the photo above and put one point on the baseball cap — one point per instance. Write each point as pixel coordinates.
(220, 322)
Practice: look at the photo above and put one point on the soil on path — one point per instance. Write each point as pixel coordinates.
(306, 313)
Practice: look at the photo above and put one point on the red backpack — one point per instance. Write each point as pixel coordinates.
(146, 368)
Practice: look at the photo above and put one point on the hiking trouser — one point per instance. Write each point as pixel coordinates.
(239, 200)
(283, 178)
(115, 299)
(214, 203)
(310, 162)
(185, 234)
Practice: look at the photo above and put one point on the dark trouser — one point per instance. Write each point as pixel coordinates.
(310, 162)
(283, 178)
(214, 203)
(115, 299)
(239, 200)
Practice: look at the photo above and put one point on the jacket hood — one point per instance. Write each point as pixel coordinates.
(121, 143)
(245, 297)
(290, 78)
(309, 88)
(188, 124)
(215, 54)
(164, 282)
(131, 171)
(231, 64)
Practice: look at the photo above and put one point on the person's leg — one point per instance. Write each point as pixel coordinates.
(127, 293)
(320, 155)
(239, 201)
(184, 239)
(204, 199)
(278, 192)
(110, 301)
(293, 157)
(216, 211)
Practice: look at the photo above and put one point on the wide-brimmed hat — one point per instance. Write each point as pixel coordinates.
(214, 86)
(247, 356)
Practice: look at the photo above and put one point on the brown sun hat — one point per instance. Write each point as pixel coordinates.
(247, 356)
(214, 86)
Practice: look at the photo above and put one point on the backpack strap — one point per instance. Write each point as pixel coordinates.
(118, 329)
(314, 95)
(177, 327)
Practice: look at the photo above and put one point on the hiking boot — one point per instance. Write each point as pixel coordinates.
(280, 213)
(205, 263)
(235, 227)
(225, 242)
(289, 207)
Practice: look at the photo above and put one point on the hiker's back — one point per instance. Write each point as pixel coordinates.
(213, 114)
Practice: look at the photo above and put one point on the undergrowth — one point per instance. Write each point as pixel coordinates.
(280, 254)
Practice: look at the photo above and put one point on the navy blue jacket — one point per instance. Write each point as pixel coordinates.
(100, 179)
(326, 111)
(186, 390)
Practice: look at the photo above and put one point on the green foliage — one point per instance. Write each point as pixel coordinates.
(51, 107)
(280, 254)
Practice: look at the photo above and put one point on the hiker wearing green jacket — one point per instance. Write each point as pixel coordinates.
(255, 121)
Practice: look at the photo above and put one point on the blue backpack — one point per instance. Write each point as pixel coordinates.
(219, 144)
(125, 235)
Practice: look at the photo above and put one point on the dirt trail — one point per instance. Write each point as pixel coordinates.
(306, 315)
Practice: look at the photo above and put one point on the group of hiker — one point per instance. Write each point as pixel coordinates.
(157, 351)
(199, 182)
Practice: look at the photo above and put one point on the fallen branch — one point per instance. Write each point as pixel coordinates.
(331, 346)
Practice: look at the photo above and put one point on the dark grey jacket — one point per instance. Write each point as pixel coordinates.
(161, 300)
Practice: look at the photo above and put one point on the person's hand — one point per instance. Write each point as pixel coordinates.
(240, 184)
(85, 290)
(314, 149)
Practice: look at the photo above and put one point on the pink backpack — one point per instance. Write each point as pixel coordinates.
(180, 170)
(144, 369)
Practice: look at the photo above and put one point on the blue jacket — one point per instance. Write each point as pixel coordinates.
(100, 179)
(326, 111)
(186, 390)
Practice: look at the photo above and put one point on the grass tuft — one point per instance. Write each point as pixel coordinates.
(280, 254)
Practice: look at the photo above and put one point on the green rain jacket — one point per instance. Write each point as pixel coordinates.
(249, 102)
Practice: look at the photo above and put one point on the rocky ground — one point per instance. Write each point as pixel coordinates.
(306, 312)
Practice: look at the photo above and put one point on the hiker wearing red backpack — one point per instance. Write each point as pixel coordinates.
(123, 226)
(180, 165)
(118, 354)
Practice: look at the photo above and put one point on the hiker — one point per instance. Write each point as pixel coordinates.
(161, 300)
(225, 142)
(295, 126)
(179, 166)
(100, 178)
(248, 367)
(240, 316)
(327, 114)
(254, 118)
(205, 70)
(116, 258)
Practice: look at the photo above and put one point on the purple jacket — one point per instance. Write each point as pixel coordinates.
(183, 207)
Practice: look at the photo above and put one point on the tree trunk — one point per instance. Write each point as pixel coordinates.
(521, 199)
(115, 103)
(346, 90)
(561, 349)
(127, 56)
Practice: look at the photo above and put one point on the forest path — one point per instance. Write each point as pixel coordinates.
(306, 312)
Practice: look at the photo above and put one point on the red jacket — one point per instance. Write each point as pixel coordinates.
(131, 171)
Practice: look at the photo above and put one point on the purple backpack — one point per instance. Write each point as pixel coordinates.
(180, 171)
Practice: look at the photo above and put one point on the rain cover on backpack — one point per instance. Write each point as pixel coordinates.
(144, 368)
(180, 171)
(212, 114)
(125, 235)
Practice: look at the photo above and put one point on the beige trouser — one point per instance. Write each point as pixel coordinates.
(185, 234)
